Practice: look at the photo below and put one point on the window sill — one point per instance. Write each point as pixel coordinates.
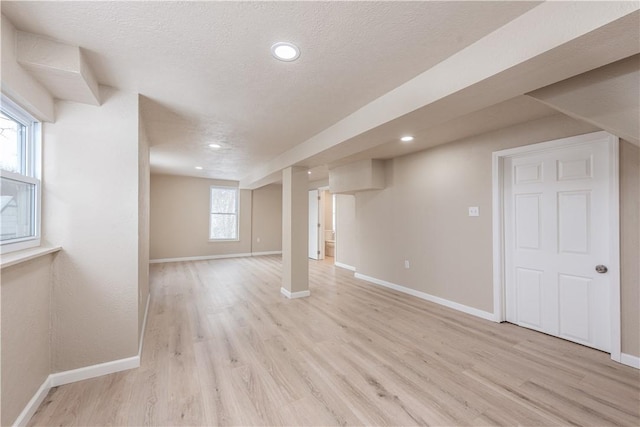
(25, 255)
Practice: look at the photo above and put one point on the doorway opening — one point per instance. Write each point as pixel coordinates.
(555, 224)
(322, 225)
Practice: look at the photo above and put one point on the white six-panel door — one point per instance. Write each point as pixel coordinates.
(556, 217)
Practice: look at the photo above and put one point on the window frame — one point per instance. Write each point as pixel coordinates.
(31, 171)
(237, 213)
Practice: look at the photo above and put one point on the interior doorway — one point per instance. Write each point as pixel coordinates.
(315, 225)
(322, 224)
(329, 229)
(556, 238)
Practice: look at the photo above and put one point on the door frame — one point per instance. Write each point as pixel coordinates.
(317, 225)
(323, 219)
(499, 285)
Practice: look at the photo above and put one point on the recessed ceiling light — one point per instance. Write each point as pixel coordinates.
(215, 145)
(406, 138)
(309, 172)
(199, 168)
(285, 51)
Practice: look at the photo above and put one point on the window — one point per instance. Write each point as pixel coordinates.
(223, 224)
(19, 183)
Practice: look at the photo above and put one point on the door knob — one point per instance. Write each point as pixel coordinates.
(601, 268)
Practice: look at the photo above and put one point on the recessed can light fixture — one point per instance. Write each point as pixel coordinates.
(285, 51)
(199, 168)
(309, 172)
(215, 145)
(406, 138)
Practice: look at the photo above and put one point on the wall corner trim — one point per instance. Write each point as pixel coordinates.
(144, 325)
(66, 377)
(33, 405)
(431, 298)
(630, 360)
(293, 295)
(93, 371)
(345, 266)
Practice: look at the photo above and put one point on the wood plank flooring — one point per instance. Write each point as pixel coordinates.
(223, 347)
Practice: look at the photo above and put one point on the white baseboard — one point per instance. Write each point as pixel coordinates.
(33, 405)
(85, 373)
(292, 295)
(266, 253)
(144, 325)
(66, 377)
(208, 257)
(345, 266)
(454, 305)
(199, 258)
(630, 360)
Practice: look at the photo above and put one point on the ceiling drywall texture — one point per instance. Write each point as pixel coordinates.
(506, 64)
(368, 72)
(207, 74)
(508, 113)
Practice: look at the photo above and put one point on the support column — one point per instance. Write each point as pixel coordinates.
(295, 232)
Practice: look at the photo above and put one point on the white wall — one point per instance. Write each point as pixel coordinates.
(346, 249)
(79, 307)
(25, 295)
(361, 175)
(143, 220)
(266, 219)
(25, 299)
(328, 210)
(422, 215)
(20, 85)
(630, 246)
(90, 208)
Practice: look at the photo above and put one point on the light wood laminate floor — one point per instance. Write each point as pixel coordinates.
(223, 347)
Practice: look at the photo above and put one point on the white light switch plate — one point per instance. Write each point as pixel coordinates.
(474, 211)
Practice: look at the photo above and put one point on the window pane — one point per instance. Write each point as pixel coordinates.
(223, 200)
(17, 207)
(223, 227)
(11, 144)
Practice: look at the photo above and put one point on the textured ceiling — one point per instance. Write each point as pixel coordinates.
(207, 75)
(508, 113)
